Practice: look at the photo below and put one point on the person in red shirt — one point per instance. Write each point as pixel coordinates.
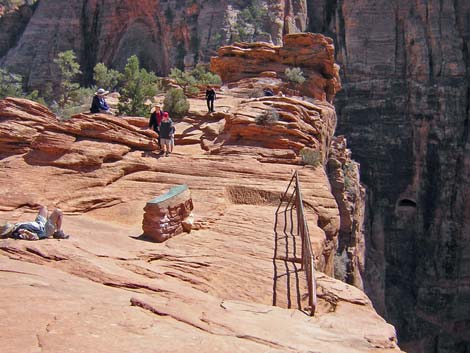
(156, 116)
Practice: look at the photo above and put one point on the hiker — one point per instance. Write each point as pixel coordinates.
(156, 115)
(99, 104)
(268, 92)
(167, 131)
(210, 97)
(42, 227)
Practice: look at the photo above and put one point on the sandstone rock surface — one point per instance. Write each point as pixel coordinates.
(313, 53)
(105, 289)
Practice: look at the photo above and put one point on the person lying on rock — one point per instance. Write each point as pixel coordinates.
(42, 227)
(167, 132)
(99, 104)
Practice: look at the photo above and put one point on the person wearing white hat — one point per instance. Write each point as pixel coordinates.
(99, 104)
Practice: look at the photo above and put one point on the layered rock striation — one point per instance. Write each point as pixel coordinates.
(312, 53)
(404, 109)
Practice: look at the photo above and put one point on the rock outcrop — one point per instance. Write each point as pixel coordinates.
(405, 110)
(313, 53)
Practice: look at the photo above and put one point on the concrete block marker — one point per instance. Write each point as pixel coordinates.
(169, 214)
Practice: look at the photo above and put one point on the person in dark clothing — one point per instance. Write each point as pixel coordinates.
(99, 104)
(210, 97)
(167, 132)
(268, 92)
(155, 120)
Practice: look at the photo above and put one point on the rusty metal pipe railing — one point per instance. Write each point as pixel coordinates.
(308, 259)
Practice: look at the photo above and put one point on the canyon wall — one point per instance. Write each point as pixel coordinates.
(163, 34)
(405, 110)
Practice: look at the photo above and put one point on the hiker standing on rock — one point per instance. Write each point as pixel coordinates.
(99, 104)
(156, 116)
(167, 132)
(42, 227)
(210, 97)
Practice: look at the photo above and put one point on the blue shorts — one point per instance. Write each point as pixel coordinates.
(41, 226)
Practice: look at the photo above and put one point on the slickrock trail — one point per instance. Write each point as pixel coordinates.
(103, 290)
(108, 290)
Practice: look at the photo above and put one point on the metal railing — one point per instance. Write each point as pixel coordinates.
(292, 198)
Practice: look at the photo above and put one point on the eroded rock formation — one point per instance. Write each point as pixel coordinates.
(404, 110)
(313, 53)
(350, 195)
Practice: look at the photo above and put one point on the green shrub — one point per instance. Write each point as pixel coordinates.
(193, 91)
(81, 102)
(267, 117)
(295, 75)
(251, 21)
(176, 103)
(11, 85)
(190, 80)
(311, 156)
(106, 78)
(204, 77)
(138, 86)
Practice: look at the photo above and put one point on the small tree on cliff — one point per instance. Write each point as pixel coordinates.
(176, 103)
(69, 70)
(295, 75)
(106, 78)
(191, 80)
(11, 85)
(138, 86)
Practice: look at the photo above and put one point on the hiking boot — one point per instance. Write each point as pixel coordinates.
(60, 235)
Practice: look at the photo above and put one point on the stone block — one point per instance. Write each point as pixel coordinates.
(169, 214)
